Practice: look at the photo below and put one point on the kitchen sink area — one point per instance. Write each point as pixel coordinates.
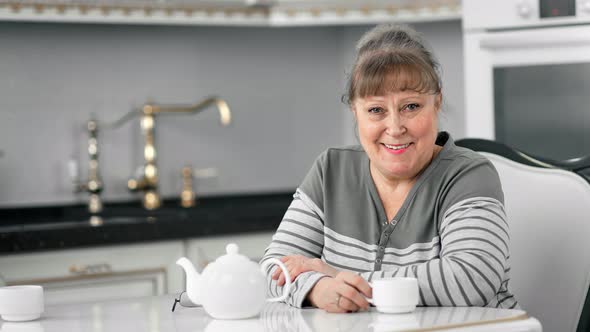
(71, 226)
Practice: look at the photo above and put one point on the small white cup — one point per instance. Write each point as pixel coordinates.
(395, 295)
(21, 303)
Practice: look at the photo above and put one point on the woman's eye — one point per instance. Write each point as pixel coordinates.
(412, 107)
(375, 110)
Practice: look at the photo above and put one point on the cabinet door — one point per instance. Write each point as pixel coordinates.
(95, 274)
(202, 251)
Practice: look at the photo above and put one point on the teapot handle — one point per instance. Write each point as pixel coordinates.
(287, 286)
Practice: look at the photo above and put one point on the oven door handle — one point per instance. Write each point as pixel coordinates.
(536, 38)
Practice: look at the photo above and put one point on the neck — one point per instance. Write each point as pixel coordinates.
(386, 185)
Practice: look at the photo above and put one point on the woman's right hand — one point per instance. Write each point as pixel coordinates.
(344, 293)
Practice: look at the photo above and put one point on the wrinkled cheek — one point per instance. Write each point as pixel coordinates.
(366, 136)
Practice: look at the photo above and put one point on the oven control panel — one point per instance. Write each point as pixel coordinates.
(557, 8)
(517, 14)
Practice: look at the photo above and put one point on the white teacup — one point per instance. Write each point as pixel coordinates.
(395, 295)
(21, 303)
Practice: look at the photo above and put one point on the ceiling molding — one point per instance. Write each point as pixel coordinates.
(230, 13)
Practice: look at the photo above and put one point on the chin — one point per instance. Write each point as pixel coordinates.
(403, 176)
(401, 173)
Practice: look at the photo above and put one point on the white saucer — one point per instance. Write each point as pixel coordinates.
(20, 318)
(396, 309)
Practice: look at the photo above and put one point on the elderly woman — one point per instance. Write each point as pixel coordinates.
(406, 202)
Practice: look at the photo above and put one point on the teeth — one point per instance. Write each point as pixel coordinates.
(397, 147)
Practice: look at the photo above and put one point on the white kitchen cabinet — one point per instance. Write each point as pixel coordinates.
(101, 273)
(202, 251)
(122, 271)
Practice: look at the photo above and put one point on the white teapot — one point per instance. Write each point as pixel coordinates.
(232, 287)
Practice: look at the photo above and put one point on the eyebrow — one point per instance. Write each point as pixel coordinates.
(416, 95)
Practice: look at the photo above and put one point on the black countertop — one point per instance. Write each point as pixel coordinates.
(61, 227)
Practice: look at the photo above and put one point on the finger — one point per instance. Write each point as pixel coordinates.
(357, 282)
(281, 280)
(347, 304)
(333, 308)
(276, 274)
(352, 294)
(294, 272)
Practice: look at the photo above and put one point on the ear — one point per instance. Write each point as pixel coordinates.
(353, 111)
(438, 101)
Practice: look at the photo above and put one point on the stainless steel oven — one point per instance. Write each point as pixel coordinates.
(527, 72)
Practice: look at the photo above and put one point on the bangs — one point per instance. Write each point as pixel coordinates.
(382, 73)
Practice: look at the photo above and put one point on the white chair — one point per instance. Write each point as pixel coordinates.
(549, 216)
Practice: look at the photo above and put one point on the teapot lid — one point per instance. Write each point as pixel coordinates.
(233, 256)
(232, 249)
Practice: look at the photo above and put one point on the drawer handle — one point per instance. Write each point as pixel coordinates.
(90, 269)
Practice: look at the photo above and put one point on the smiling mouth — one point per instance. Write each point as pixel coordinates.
(396, 147)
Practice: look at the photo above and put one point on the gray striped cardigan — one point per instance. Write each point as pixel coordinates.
(450, 233)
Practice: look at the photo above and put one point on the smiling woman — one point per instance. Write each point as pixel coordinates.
(406, 202)
(398, 131)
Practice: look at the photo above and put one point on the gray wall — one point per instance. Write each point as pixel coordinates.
(283, 85)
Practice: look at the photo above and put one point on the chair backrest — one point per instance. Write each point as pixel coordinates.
(549, 216)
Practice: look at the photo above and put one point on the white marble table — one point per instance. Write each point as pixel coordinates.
(154, 314)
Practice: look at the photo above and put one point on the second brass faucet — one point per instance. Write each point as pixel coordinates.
(93, 185)
(147, 181)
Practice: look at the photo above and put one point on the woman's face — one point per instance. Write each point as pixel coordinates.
(398, 131)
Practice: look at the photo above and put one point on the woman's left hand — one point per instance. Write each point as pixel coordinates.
(297, 264)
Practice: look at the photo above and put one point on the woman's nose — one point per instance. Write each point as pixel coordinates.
(395, 124)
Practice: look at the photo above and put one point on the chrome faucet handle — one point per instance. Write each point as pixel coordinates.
(74, 175)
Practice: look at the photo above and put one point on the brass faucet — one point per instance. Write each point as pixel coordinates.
(187, 195)
(93, 184)
(147, 182)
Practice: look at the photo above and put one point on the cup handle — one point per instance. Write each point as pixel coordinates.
(370, 300)
(287, 286)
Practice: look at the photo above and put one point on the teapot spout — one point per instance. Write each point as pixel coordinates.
(192, 280)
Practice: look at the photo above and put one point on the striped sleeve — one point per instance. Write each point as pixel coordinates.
(301, 232)
(474, 250)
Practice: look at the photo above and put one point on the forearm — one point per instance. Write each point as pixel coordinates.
(299, 290)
